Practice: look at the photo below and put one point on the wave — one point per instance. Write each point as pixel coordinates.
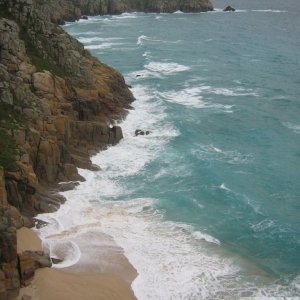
(166, 68)
(188, 97)
(224, 187)
(67, 251)
(156, 69)
(126, 15)
(206, 237)
(141, 39)
(86, 40)
(233, 92)
(103, 46)
(210, 152)
(292, 126)
(269, 10)
(192, 97)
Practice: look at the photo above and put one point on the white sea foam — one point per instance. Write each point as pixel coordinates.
(188, 97)
(178, 12)
(270, 10)
(125, 15)
(141, 40)
(172, 261)
(166, 68)
(224, 187)
(237, 91)
(103, 46)
(206, 237)
(210, 152)
(68, 252)
(88, 40)
(262, 225)
(192, 96)
(292, 126)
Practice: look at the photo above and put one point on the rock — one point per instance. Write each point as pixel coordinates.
(141, 132)
(94, 167)
(26, 268)
(39, 223)
(29, 261)
(67, 186)
(138, 132)
(84, 17)
(3, 196)
(71, 173)
(3, 294)
(228, 8)
(56, 260)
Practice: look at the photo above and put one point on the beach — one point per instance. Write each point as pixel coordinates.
(77, 283)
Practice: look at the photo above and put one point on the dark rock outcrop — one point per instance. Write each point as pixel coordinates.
(229, 8)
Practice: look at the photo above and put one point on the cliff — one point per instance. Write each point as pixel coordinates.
(69, 10)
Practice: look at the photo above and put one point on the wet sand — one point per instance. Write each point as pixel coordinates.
(108, 278)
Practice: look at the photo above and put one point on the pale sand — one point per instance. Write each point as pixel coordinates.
(109, 278)
(28, 240)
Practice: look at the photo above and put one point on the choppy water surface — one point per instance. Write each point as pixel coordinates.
(207, 206)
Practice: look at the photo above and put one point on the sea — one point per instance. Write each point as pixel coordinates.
(207, 205)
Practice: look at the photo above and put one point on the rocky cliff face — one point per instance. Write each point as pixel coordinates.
(58, 105)
(71, 10)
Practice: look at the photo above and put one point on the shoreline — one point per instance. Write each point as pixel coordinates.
(82, 281)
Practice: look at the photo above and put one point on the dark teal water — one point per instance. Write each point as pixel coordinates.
(220, 94)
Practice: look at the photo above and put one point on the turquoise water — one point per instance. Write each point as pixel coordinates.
(210, 199)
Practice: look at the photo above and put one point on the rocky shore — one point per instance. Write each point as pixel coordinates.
(58, 106)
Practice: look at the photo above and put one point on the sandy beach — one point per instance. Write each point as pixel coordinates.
(111, 281)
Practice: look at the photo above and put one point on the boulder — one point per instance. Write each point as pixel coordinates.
(29, 261)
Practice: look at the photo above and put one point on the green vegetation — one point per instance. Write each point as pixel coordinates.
(4, 13)
(38, 60)
(9, 118)
(8, 148)
(8, 151)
